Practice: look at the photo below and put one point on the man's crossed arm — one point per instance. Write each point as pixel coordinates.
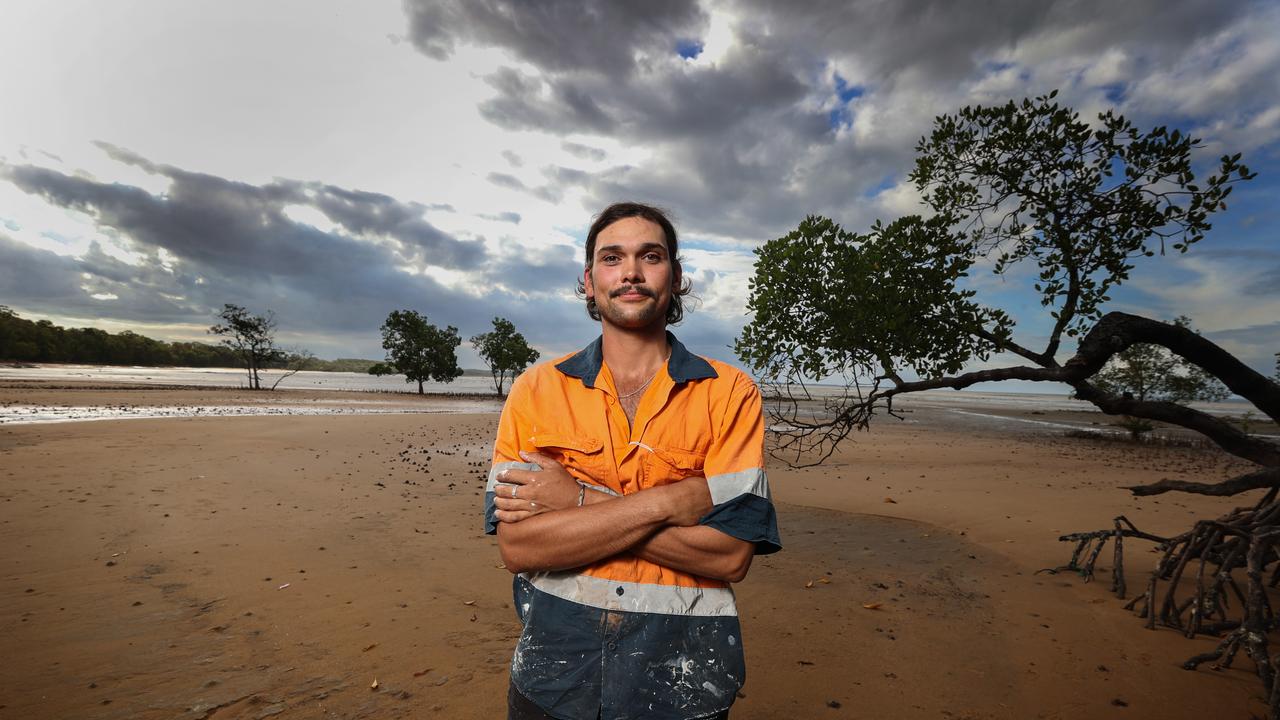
(541, 527)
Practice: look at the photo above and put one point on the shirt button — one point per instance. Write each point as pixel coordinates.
(612, 646)
(620, 590)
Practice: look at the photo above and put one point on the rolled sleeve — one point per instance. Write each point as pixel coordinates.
(506, 451)
(742, 505)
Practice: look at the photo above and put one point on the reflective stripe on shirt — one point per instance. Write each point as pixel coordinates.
(635, 597)
(730, 485)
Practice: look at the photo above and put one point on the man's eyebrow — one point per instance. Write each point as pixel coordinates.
(643, 248)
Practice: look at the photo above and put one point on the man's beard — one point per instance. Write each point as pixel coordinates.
(637, 317)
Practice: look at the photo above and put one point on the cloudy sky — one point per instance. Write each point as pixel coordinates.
(332, 161)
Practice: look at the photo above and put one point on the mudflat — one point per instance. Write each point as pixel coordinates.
(277, 566)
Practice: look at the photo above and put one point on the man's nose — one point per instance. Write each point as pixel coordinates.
(633, 271)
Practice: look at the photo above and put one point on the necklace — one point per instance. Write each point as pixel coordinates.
(640, 389)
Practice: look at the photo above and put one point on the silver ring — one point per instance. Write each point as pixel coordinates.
(513, 491)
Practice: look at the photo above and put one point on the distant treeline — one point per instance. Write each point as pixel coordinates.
(23, 340)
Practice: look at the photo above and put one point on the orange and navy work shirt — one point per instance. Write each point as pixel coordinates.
(624, 637)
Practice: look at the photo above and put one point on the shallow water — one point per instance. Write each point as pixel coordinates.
(43, 414)
(971, 401)
(235, 377)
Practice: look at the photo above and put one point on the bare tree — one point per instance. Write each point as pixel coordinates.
(295, 362)
(251, 336)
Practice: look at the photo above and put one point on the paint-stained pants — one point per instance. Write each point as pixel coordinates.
(520, 707)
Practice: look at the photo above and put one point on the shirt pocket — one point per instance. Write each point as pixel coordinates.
(667, 465)
(580, 455)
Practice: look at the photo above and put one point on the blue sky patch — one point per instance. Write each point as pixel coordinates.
(688, 49)
(840, 116)
(847, 92)
(1115, 93)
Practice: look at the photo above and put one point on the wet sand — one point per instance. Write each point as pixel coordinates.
(255, 567)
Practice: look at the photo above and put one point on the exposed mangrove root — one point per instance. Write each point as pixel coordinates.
(1194, 588)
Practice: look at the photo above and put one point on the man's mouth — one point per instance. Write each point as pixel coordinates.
(632, 291)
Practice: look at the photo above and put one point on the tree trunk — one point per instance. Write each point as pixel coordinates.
(420, 391)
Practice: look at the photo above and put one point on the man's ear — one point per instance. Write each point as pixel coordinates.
(588, 289)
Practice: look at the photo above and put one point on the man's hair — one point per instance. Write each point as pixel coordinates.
(623, 210)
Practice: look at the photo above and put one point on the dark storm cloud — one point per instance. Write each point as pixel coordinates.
(45, 282)
(233, 243)
(728, 137)
(555, 34)
(525, 270)
(205, 218)
(585, 152)
(33, 275)
(670, 102)
(520, 105)
(366, 213)
(749, 144)
(948, 40)
(225, 241)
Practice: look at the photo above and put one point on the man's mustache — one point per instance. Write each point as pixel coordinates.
(639, 289)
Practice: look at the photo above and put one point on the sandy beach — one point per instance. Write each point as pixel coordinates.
(256, 566)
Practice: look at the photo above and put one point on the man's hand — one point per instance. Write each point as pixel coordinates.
(611, 525)
(530, 492)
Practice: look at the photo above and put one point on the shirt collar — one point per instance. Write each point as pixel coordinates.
(683, 365)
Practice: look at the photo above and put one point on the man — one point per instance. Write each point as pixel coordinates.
(627, 491)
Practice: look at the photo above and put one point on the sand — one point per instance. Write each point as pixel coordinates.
(254, 567)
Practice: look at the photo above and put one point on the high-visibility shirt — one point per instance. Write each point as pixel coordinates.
(624, 637)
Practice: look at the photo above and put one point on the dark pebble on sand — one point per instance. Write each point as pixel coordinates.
(833, 704)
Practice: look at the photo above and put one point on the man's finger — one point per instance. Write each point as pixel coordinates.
(539, 459)
(514, 476)
(511, 516)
